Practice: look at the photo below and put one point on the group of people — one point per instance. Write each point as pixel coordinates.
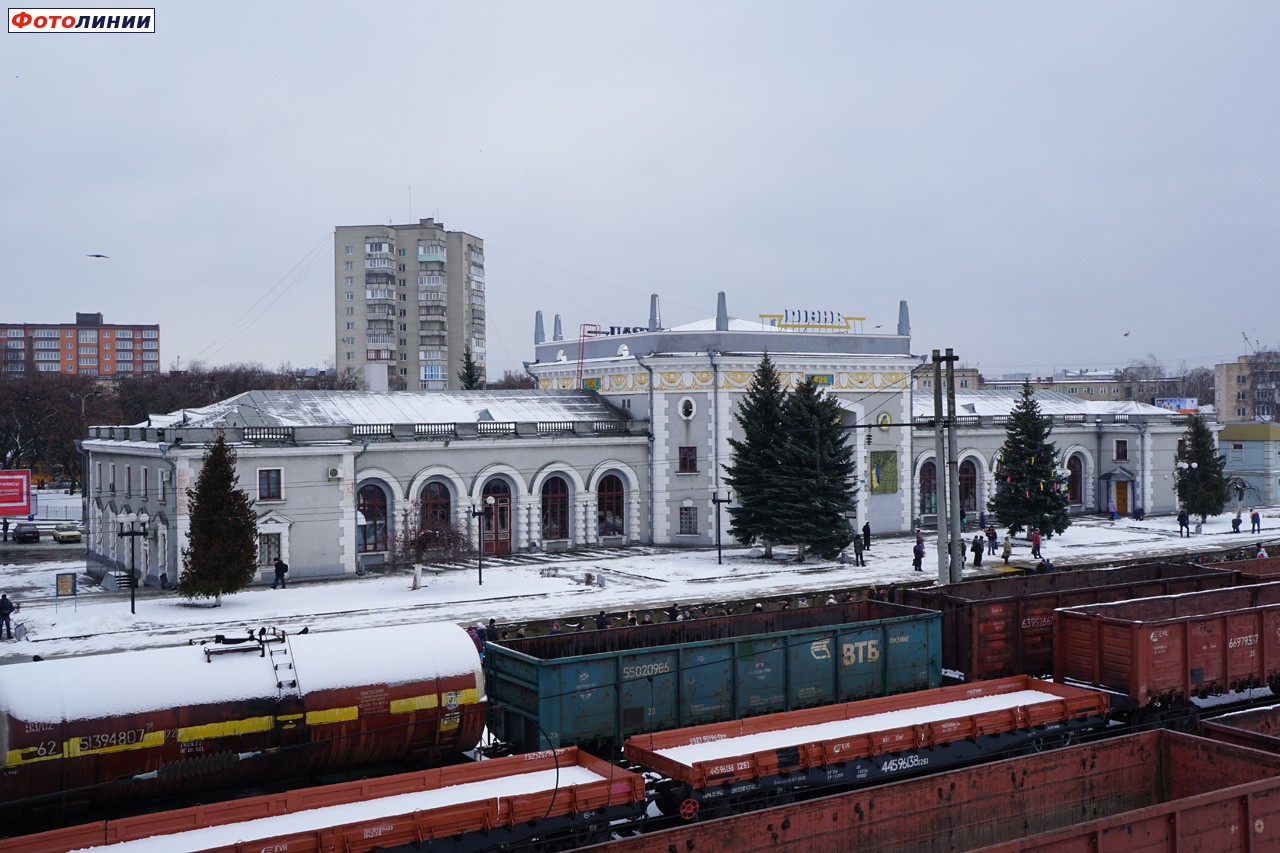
(985, 541)
(1255, 522)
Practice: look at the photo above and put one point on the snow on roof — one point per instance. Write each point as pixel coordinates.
(230, 834)
(348, 408)
(996, 402)
(818, 732)
(94, 686)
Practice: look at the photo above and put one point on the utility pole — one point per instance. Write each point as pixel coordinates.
(953, 472)
(940, 469)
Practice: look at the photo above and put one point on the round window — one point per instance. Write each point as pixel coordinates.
(687, 408)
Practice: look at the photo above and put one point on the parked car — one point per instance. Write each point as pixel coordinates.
(25, 531)
(67, 532)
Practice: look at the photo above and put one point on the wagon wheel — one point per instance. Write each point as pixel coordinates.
(689, 809)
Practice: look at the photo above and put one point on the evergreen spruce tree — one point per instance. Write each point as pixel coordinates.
(469, 377)
(814, 490)
(1203, 488)
(221, 556)
(1029, 490)
(755, 458)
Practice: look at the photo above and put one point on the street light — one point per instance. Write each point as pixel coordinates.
(717, 500)
(136, 529)
(485, 512)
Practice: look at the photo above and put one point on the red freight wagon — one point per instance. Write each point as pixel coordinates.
(762, 759)
(1258, 729)
(1158, 792)
(1252, 571)
(1173, 647)
(565, 796)
(996, 627)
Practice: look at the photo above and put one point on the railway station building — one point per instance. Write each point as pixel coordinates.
(623, 442)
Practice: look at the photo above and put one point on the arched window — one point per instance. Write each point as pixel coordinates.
(437, 507)
(609, 520)
(1075, 480)
(371, 503)
(968, 486)
(928, 488)
(555, 508)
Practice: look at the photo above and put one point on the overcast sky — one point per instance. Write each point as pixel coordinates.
(1036, 180)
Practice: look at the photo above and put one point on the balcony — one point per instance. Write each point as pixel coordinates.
(372, 339)
(380, 263)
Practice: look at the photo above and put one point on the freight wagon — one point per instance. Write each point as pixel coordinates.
(595, 688)
(1252, 571)
(1257, 729)
(88, 731)
(727, 767)
(1166, 650)
(548, 801)
(1158, 792)
(997, 627)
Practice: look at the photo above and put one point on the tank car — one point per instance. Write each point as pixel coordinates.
(85, 731)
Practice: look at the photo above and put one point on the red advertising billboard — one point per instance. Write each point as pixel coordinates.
(15, 493)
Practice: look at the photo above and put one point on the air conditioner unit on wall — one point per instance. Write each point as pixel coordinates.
(335, 473)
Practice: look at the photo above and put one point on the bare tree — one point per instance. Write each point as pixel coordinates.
(437, 542)
(512, 381)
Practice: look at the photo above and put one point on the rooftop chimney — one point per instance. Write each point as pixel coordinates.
(655, 316)
(904, 319)
(722, 313)
(557, 334)
(539, 334)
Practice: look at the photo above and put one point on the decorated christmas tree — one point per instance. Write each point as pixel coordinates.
(1030, 491)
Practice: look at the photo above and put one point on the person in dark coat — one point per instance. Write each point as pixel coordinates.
(917, 556)
(858, 559)
(602, 621)
(491, 632)
(673, 612)
(991, 539)
(979, 544)
(6, 609)
(6, 529)
(282, 569)
(866, 536)
(1184, 524)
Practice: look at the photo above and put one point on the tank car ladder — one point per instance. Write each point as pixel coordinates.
(276, 644)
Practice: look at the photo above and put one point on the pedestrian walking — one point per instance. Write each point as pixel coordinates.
(917, 556)
(991, 539)
(982, 520)
(6, 610)
(866, 536)
(979, 544)
(1111, 508)
(1007, 551)
(282, 569)
(1184, 524)
(1255, 522)
(919, 536)
(1035, 543)
(858, 558)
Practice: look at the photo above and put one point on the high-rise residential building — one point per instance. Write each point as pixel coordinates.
(408, 298)
(88, 347)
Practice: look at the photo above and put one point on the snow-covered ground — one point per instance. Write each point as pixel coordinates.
(548, 587)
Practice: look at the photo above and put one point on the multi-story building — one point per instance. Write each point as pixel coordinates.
(408, 299)
(88, 347)
(1092, 386)
(1245, 389)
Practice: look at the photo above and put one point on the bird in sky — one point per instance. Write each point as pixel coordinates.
(1126, 334)
(98, 256)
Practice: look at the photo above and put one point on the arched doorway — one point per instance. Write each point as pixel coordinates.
(372, 532)
(497, 522)
(555, 509)
(968, 486)
(928, 488)
(611, 499)
(1075, 480)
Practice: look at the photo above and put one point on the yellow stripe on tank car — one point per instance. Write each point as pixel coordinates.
(414, 703)
(332, 715)
(249, 725)
(76, 747)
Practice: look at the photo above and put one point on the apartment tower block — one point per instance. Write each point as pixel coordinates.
(409, 298)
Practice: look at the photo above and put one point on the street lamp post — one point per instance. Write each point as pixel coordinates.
(483, 513)
(136, 529)
(717, 500)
